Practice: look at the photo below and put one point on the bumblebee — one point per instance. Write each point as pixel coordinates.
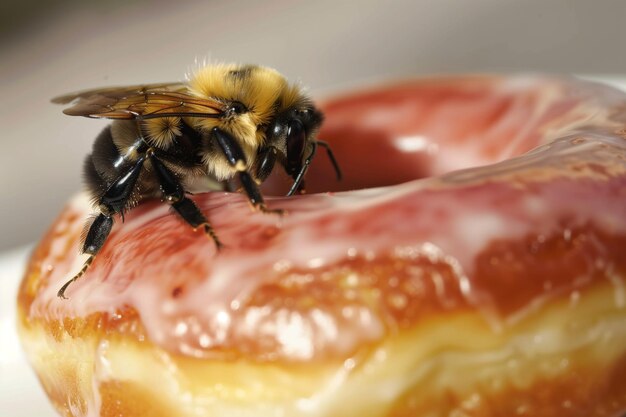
(226, 122)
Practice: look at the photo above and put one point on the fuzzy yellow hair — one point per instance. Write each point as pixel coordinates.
(258, 88)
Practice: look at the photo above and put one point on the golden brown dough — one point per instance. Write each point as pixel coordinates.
(496, 291)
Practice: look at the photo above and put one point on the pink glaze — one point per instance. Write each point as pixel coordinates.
(478, 162)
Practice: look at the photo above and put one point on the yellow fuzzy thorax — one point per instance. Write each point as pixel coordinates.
(258, 89)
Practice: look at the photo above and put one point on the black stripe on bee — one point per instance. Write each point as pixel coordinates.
(242, 73)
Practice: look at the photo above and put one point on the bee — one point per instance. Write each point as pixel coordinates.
(226, 122)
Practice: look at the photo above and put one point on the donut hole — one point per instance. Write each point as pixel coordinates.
(426, 128)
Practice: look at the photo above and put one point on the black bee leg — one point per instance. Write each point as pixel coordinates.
(266, 159)
(305, 166)
(96, 236)
(235, 156)
(174, 194)
(113, 201)
(254, 194)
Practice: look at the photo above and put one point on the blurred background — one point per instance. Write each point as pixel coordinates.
(53, 47)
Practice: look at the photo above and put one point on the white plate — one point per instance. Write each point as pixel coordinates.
(20, 392)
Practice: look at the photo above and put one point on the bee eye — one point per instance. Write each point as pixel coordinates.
(237, 107)
(295, 145)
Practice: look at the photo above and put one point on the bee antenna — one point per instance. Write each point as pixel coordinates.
(331, 156)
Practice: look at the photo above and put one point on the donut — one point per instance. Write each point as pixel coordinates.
(471, 263)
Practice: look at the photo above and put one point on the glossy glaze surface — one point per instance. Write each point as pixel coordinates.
(492, 195)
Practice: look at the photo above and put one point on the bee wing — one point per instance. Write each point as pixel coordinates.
(140, 102)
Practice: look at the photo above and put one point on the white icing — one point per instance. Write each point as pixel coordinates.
(449, 219)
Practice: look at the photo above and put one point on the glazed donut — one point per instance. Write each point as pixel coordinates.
(476, 268)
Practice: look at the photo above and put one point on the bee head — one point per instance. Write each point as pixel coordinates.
(293, 136)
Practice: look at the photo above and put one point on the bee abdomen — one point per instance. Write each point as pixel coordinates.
(96, 185)
(105, 155)
(99, 170)
(105, 165)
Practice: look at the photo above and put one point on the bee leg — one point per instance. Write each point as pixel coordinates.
(254, 194)
(174, 194)
(266, 159)
(235, 156)
(113, 201)
(96, 236)
(298, 180)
